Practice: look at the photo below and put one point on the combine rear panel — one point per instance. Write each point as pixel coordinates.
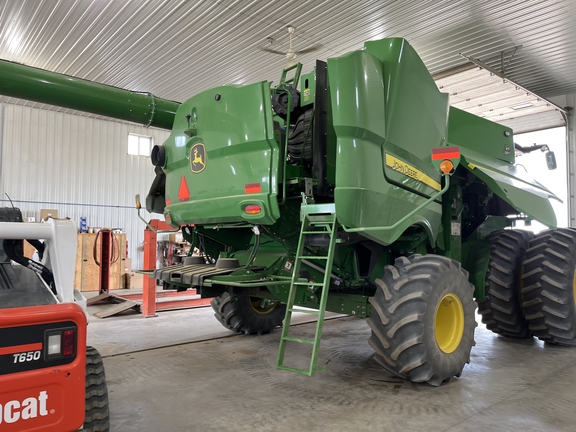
(222, 157)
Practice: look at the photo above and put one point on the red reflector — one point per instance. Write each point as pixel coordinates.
(168, 202)
(68, 338)
(252, 209)
(183, 192)
(446, 153)
(251, 188)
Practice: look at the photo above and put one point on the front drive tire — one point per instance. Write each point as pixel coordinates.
(97, 416)
(549, 290)
(249, 315)
(423, 319)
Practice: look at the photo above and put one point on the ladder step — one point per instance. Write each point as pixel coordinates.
(311, 311)
(302, 371)
(320, 219)
(314, 257)
(316, 232)
(309, 283)
(299, 340)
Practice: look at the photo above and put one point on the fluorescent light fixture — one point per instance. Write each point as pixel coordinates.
(521, 106)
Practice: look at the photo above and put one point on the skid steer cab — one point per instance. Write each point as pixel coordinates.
(49, 379)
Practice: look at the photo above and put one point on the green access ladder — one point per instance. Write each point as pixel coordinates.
(317, 219)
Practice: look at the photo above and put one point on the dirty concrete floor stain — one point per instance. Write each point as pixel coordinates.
(232, 384)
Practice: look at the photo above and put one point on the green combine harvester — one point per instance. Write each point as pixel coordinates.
(354, 188)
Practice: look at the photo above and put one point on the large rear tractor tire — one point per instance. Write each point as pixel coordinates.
(97, 416)
(549, 286)
(501, 309)
(249, 315)
(423, 319)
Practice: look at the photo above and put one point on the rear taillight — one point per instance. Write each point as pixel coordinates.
(252, 209)
(68, 342)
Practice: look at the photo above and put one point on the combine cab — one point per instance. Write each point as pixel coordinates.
(353, 188)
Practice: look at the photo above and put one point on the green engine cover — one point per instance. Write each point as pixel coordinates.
(388, 114)
(222, 157)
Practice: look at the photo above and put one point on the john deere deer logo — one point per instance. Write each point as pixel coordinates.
(197, 158)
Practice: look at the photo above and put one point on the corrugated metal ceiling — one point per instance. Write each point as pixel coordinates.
(178, 48)
(485, 94)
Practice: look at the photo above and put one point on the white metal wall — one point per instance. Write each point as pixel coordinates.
(77, 165)
(571, 150)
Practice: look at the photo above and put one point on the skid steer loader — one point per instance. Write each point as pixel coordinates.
(49, 379)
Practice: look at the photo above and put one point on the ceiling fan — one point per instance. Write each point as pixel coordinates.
(291, 54)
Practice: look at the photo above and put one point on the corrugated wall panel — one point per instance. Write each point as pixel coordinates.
(77, 165)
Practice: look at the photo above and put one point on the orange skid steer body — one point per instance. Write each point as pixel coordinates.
(42, 368)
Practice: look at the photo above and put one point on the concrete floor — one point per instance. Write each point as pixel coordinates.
(182, 371)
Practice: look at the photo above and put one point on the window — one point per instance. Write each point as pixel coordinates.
(139, 145)
(535, 164)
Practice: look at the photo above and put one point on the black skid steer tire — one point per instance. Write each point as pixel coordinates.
(549, 286)
(423, 319)
(501, 308)
(242, 313)
(97, 416)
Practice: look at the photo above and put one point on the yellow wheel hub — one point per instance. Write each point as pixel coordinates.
(449, 323)
(262, 306)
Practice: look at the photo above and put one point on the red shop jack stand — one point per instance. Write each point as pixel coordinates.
(150, 245)
(153, 301)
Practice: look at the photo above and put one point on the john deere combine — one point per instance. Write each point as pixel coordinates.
(354, 188)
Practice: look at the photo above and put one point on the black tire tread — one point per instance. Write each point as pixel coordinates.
(399, 338)
(234, 312)
(501, 308)
(97, 415)
(549, 286)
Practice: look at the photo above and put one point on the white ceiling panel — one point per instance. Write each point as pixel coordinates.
(485, 94)
(177, 48)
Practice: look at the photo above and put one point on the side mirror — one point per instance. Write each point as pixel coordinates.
(551, 160)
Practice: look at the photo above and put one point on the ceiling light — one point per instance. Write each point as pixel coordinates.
(521, 106)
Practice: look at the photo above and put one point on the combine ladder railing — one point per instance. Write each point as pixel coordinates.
(315, 222)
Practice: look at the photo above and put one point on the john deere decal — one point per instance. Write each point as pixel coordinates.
(197, 158)
(410, 171)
